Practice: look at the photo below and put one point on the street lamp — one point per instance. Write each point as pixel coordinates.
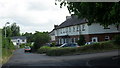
(5, 28)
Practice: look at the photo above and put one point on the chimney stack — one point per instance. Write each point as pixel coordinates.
(68, 17)
(55, 26)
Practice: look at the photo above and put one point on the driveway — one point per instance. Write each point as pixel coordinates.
(21, 59)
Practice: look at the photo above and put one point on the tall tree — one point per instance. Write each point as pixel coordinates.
(29, 36)
(105, 13)
(15, 30)
(12, 30)
(40, 39)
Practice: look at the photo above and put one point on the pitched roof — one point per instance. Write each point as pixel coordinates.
(20, 37)
(74, 20)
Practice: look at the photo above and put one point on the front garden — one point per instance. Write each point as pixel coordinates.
(91, 48)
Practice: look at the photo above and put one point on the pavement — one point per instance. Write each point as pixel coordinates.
(32, 60)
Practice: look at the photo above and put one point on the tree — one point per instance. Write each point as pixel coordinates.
(12, 30)
(105, 13)
(81, 40)
(29, 36)
(15, 30)
(40, 39)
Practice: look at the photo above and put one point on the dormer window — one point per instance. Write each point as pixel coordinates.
(106, 27)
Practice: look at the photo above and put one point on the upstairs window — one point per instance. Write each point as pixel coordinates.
(66, 30)
(69, 29)
(61, 31)
(83, 27)
(18, 40)
(73, 29)
(77, 28)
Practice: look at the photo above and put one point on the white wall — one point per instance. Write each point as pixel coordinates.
(72, 30)
(52, 38)
(15, 41)
(91, 29)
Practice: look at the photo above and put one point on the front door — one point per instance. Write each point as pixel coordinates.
(94, 39)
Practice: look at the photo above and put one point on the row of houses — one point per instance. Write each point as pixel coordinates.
(70, 30)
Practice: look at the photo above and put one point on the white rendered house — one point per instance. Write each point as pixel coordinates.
(17, 40)
(70, 30)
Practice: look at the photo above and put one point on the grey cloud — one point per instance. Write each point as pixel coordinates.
(37, 6)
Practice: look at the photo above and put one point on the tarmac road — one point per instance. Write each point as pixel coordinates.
(32, 60)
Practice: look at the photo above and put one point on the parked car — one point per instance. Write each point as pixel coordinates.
(70, 45)
(27, 49)
(87, 43)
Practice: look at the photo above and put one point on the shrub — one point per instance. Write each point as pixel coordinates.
(53, 44)
(116, 39)
(99, 46)
(22, 45)
(95, 47)
(60, 51)
(43, 49)
(81, 40)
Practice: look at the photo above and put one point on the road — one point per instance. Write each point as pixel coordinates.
(25, 60)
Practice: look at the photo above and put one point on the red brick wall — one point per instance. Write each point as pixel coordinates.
(101, 37)
(88, 38)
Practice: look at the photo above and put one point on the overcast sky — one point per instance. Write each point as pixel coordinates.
(32, 15)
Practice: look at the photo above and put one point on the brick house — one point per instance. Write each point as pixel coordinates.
(70, 30)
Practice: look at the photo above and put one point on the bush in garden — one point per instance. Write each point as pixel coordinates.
(43, 49)
(99, 46)
(81, 40)
(22, 45)
(60, 51)
(116, 39)
(95, 47)
(53, 44)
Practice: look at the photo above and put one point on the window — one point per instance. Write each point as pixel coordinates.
(72, 40)
(106, 27)
(77, 28)
(73, 29)
(83, 27)
(61, 31)
(117, 26)
(107, 38)
(17, 43)
(69, 29)
(23, 40)
(66, 30)
(18, 40)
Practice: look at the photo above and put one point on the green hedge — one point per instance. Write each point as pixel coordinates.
(96, 47)
(7, 49)
(43, 49)
(60, 51)
(116, 40)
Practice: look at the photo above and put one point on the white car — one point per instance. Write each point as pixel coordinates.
(70, 45)
(87, 43)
